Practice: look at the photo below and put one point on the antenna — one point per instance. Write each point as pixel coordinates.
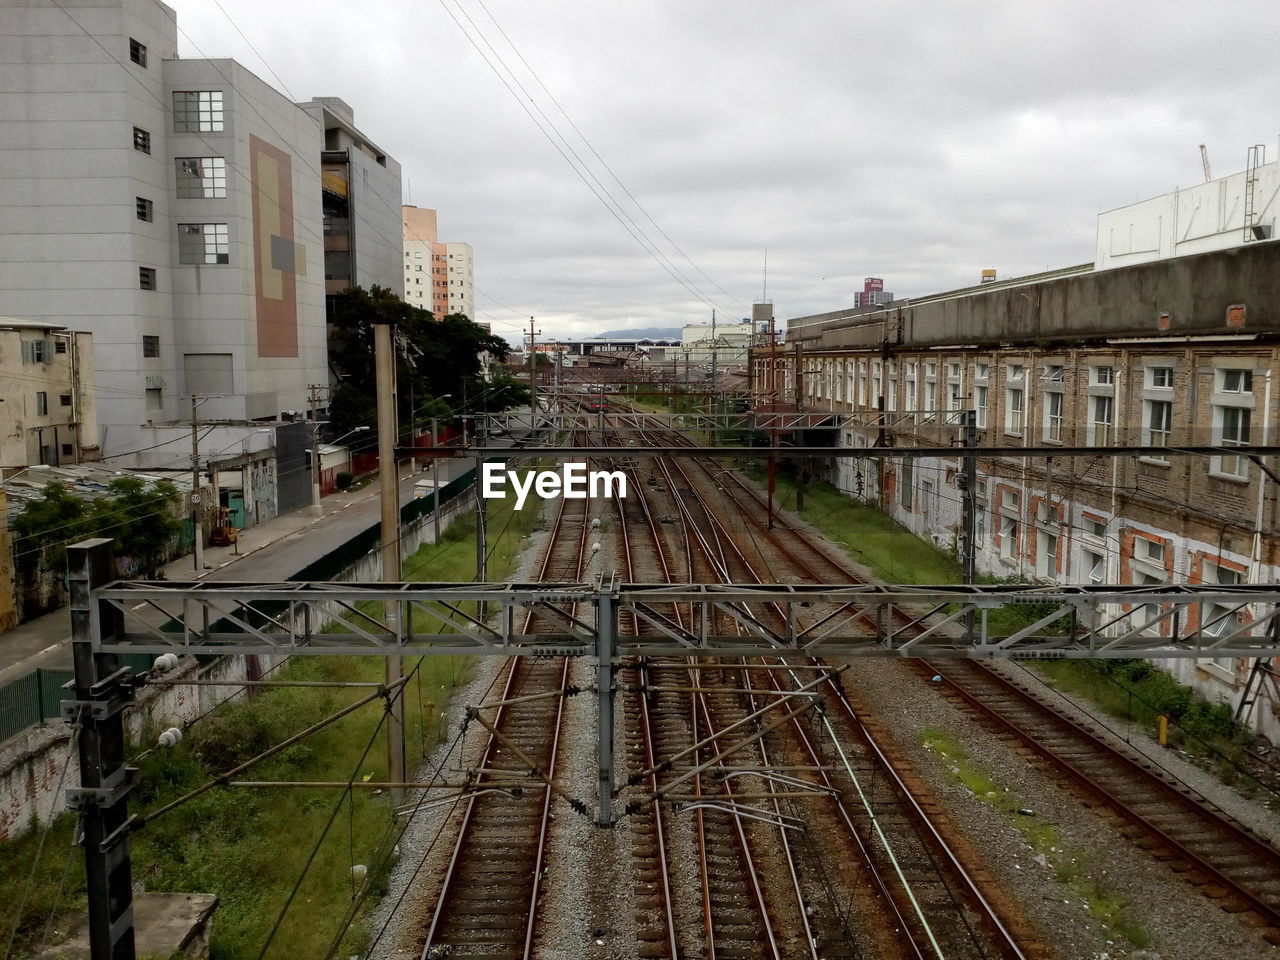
(764, 294)
(1204, 159)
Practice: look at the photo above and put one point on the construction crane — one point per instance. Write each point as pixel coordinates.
(1204, 159)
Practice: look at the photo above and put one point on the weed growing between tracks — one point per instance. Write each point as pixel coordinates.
(1071, 868)
(249, 845)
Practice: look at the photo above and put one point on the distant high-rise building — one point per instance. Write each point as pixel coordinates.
(439, 277)
(873, 293)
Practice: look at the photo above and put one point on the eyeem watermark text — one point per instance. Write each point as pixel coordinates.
(573, 482)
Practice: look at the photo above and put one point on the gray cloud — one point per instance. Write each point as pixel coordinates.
(919, 142)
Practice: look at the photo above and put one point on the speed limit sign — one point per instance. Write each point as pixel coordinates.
(195, 499)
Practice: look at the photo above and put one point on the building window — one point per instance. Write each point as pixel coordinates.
(1053, 416)
(1095, 565)
(1102, 376)
(59, 346)
(1149, 551)
(1101, 420)
(979, 525)
(1093, 527)
(908, 483)
(1232, 426)
(141, 140)
(1159, 378)
(35, 351)
(926, 497)
(147, 278)
(1008, 538)
(980, 404)
(64, 399)
(153, 398)
(1220, 620)
(150, 345)
(203, 243)
(1046, 554)
(42, 403)
(197, 111)
(68, 450)
(137, 52)
(1157, 425)
(144, 209)
(1234, 381)
(1013, 399)
(1053, 373)
(201, 178)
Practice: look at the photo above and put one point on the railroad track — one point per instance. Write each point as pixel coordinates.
(487, 904)
(1230, 863)
(904, 889)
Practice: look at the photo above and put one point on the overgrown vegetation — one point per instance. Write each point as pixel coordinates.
(140, 518)
(249, 846)
(1048, 848)
(1132, 689)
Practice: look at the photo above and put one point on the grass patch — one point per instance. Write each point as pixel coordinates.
(1138, 691)
(248, 846)
(1071, 868)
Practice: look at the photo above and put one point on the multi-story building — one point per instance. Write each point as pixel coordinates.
(48, 412)
(172, 208)
(724, 344)
(872, 294)
(361, 204)
(1159, 355)
(439, 277)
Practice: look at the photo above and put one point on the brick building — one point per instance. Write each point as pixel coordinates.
(1168, 353)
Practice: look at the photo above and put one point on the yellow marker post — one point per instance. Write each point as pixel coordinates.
(1162, 729)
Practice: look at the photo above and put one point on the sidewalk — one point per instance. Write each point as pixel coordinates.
(44, 641)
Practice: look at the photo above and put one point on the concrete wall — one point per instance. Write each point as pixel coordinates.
(1195, 219)
(1191, 295)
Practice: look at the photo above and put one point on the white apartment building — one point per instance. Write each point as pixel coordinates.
(439, 277)
(172, 208)
(461, 278)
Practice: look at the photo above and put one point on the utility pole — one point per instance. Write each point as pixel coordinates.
(389, 479)
(533, 377)
(313, 402)
(776, 395)
(98, 697)
(969, 485)
(435, 481)
(197, 508)
(799, 381)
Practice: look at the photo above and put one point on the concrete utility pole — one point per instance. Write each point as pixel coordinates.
(313, 402)
(389, 479)
(197, 507)
(533, 376)
(969, 484)
(435, 480)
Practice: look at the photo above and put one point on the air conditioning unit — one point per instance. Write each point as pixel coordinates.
(1261, 231)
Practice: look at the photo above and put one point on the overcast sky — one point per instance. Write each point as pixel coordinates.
(918, 142)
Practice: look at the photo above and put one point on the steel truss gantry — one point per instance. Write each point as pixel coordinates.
(580, 619)
(838, 621)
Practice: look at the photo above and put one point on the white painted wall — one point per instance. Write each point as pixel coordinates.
(1195, 219)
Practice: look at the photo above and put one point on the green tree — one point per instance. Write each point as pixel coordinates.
(434, 359)
(44, 527)
(140, 518)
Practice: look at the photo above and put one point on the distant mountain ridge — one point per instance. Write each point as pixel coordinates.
(641, 333)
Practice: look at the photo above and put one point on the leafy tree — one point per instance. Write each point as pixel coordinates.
(434, 359)
(138, 516)
(44, 527)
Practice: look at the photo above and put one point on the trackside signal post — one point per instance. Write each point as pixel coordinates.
(722, 620)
